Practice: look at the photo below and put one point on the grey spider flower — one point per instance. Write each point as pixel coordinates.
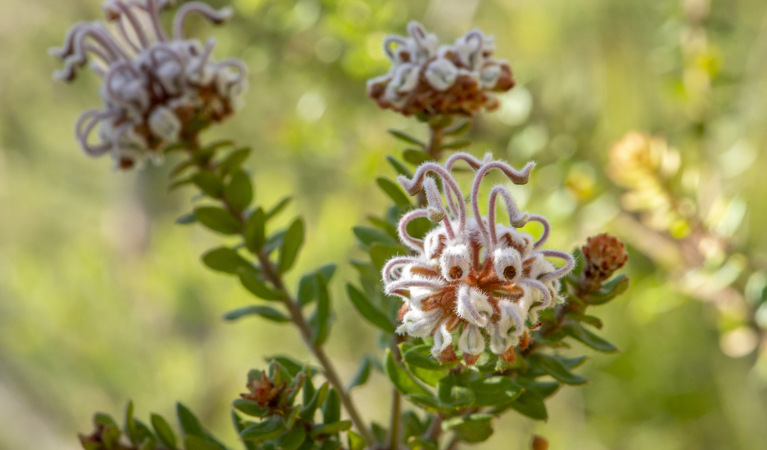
(157, 89)
(472, 276)
(429, 79)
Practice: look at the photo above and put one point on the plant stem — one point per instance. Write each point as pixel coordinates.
(435, 140)
(435, 427)
(396, 401)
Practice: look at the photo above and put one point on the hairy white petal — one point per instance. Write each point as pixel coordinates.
(442, 340)
(441, 74)
(471, 340)
(508, 264)
(455, 262)
(472, 306)
(418, 323)
(165, 124)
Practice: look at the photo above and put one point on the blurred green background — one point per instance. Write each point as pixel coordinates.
(103, 298)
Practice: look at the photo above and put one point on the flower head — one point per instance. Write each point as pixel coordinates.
(157, 89)
(603, 255)
(449, 79)
(473, 281)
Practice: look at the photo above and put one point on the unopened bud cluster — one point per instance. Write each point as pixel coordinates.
(272, 394)
(430, 79)
(472, 280)
(603, 255)
(157, 90)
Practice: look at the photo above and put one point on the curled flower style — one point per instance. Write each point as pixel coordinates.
(449, 79)
(472, 282)
(157, 89)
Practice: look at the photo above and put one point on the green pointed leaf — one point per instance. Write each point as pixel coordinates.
(460, 129)
(379, 254)
(266, 312)
(430, 377)
(190, 425)
(240, 425)
(307, 413)
(331, 409)
(415, 157)
(307, 289)
(456, 145)
(399, 167)
(265, 430)
(369, 236)
(294, 238)
(224, 259)
(530, 405)
(234, 160)
(362, 374)
(555, 368)
(494, 391)
(394, 192)
(193, 442)
(186, 219)
(576, 330)
(292, 439)
(130, 425)
(609, 290)
(406, 138)
(453, 394)
(472, 429)
(164, 431)
(368, 310)
(103, 419)
(217, 219)
(255, 230)
(209, 183)
(257, 287)
(420, 356)
(401, 379)
(330, 428)
(355, 441)
(239, 191)
(320, 320)
(278, 208)
(595, 322)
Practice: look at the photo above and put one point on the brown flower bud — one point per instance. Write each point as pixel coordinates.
(603, 254)
(263, 391)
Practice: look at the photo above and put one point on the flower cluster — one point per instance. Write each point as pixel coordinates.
(472, 276)
(157, 90)
(449, 79)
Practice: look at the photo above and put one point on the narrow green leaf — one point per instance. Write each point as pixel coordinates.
(307, 289)
(415, 157)
(164, 431)
(327, 271)
(455, 145)
(368, 310)
(257, 287)
(379, 254)
(460, 129)
(394, 192)
(209, 183)
(369, 236)
(278, 207)
(190, 425)
(130, 425)
(320, 321)
(609, 290)
(234, 160)
(576, 330)
(307, 413)
(239, 191)
(294, 238)
(240, 425)
(420, 356)
(224, 259)
(255, 230)
(406, 138)
(530, 405)
(362, 374)
(331, 409)
(265, 430)
(186, 219)
(217, 219)
(266, 312)
(472, 429)
(355, 441)
(103, 419)
(494, 391)
(329, 428)
(401, 379)
(555, 368)
(249, 407)
(452, 394)
(292, 439)
(398, 166)
(595, 322)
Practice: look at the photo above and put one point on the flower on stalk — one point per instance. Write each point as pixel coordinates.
(157, 89)
(429, 79)
(472, 281)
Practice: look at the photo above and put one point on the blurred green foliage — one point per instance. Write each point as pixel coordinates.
(102, 297)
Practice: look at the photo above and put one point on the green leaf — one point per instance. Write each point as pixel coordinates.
(293, 366)
(103, 419)
(307, 289)
(224, 259)
(355, 441)
(399, 167)
(609, 290)
(130, 425)
(494, 391)
(266, 312)
(257, 287)
(576, 330)
(543, 389)
(415, 157)
(240, 425)
(406, 138)
(456, 145)
(452, 394)
(294, 237)
(249, 407)
(401, 379)
(362, 374)
(475, 428)
(239, 191)
(460, 129)
(186, 219)
(369, 236)
(368, 310)
(189, 423)
(164, 431)
(307, 413)
(430, 377)
(331, 409)
(530, 405)
(209, 183)
(320, 320)
(330, 428)
(234, 160)
(420, 356)
(379, 254)
(265, 430)
(394, 192)
(555, 368)
(198, 443)
(595, 322)
(255, 230)
(292, 439)
(217, 219)
(278, 207)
